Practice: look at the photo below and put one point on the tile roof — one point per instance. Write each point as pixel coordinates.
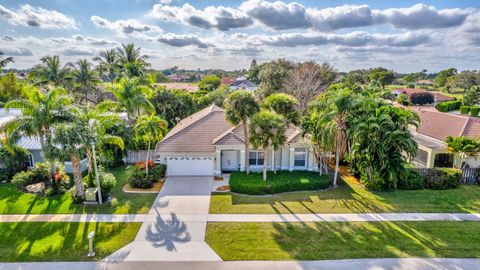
(235, 135)
(439, 125)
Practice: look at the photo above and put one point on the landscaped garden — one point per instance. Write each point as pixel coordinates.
(351, 197)
(14, 201)
(62, 241)
(341, 240)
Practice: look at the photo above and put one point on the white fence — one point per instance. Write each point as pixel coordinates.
(134, 156)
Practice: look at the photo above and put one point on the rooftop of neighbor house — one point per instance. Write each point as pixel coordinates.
(181, 86)
(439, 125)
(438, 96)
(7, 115)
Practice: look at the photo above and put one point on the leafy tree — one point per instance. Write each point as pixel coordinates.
(356, 77)
(150, 129)
(241, 106)
(10, 88)
(383, 75)
(108, 63)
(4, 61)
(267, 129)
(253, 72)
(209, 83)
(421, 98)
(285, 105)
(410, 78)
(307, 80)
(442, 77)
(472, 96)
(132, 97)
(272, 76)
(173, 105)
(85, 78)
(216, 97)
(13, 159)
(51, 71)
(465, 79)
(39, 113)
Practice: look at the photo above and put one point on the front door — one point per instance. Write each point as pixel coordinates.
(229, 160)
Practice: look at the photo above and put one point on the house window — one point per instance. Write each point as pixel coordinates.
(255, 158)
(443, 160)
(30, 161)
(300, 157)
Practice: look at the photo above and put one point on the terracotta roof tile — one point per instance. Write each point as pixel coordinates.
(439, 125)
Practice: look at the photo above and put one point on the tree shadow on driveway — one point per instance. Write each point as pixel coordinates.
(165, 233)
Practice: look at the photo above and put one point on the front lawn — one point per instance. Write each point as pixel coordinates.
(61, 241)
(342, 240)
(351, 197)
(282, 181)
(13, 201)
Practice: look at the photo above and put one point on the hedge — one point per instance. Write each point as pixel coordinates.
(474, 110)
(448, 106)
(283, 181)
(421, 98)
(464, 109)
(440, 178)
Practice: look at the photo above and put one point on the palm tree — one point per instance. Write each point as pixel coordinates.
(85, 78)
(240, 106)
(132, 97)
(463, 146)
(285, 105)
(267, 129)
(131, 60)
(107, 62)
(150, 129)
(51, 71)
(5, 61)
(39, 113)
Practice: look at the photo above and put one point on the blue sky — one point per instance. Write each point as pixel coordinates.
(403, 35)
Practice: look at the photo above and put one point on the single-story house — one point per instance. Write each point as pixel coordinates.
(243, 84)
(188, 87)
(32, 144)
(437, 96)
(432, 132)
(227, 80)
(205, 143)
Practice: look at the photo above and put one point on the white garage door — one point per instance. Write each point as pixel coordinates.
(201, 166)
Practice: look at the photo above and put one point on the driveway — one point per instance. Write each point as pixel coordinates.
(174, 229)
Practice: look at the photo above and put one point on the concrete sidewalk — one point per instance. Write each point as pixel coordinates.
(350, 264)
(73, 218)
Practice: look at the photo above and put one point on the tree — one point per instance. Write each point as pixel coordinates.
(51, 71)
(39, 113)
(131, 60)
(132, 97)
(108, 63)
(10, 88)
(421, 98)
(463, 146)
(150, 129)
(85, 78)
(465, 79)
(267, 129)
(209, 83)
(442, 77)
(383, 75)
(472, 96)
(253, 72)
(306, 81)
(240, 107)
(285, 105)
(4, 61)
(272, 76)
(356, 77)
(173, 105)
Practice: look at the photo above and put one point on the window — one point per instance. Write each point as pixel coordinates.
(300, 157)
(29, 163)
(255, 158)
(443, 160)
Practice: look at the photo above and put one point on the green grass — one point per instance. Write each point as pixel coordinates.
(13, 201)
(61, 241)
(342, 240)
(351, 197)
(282, 181)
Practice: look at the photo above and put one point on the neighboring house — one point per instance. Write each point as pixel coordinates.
(227, 80)
(432, 132)
(243, 84)
(188, 87)
(425, 82)
(32, 144)
(178, 77)
(438, 97)
(205, 143)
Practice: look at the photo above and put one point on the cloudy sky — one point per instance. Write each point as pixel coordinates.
(403, 35)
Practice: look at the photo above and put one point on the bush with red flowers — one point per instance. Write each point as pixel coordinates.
(138, 176)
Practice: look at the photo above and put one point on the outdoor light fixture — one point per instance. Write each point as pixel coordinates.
(91, 253)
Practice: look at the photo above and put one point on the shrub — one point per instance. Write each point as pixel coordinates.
(159, 172)
(411, 181)
(75, 199)
(403, 99)
(107, 181)
(440, 178)
(449, 106)
(283, 181)
(421, 98)
(40, 173)
(137, 177)
(13, 160)
(474, 110)
(464, 109)
(22, 179)
(62, 181)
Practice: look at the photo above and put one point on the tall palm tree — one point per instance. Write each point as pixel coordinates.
(5, 61)
(84, 77)
(51, 71)
(107, 62)
(132, 62)
(267, 129)
(39, 113)
(240, 106)
(285, 105)
(150, 129)
(132, 97)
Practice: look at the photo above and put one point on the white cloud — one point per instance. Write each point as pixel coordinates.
(30, 16)
(129, 26)
(181, 40)
(277, 15)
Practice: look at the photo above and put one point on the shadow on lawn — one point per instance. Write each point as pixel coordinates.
(337, 240)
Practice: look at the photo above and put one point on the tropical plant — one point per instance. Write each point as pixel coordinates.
(267, 129)
(51, 71)
(150, 129)
(240, 106)
(85, 78)
(107, 62)
(10, 88)
(285, 105)
(5, 61)
(173, 105)
(132, 97)
(463, 146)
(39, 113)
(131, 60)
(209, 83)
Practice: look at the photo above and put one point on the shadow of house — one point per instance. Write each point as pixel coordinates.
(165, 233)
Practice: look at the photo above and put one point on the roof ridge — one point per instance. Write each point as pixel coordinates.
(229, 131)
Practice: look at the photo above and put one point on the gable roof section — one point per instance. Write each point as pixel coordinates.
(440, 125)
(235, 136)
